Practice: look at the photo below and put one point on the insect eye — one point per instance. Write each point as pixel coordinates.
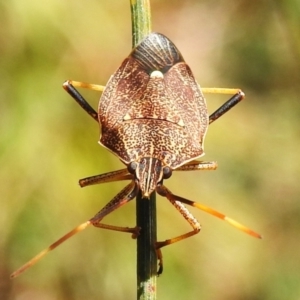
(132, 167)
(167, 172)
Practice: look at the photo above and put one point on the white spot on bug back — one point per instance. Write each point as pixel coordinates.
(157, 74)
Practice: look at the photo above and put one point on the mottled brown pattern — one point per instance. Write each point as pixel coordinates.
(142, 115)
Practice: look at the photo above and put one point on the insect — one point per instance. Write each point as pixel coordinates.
(153, 117)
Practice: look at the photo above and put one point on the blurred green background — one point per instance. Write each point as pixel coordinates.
(47, 143)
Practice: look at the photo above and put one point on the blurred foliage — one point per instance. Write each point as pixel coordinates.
(48, 143)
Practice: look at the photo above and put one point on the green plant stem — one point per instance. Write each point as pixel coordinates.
(145, 208)
(140, 19)
(146, 254)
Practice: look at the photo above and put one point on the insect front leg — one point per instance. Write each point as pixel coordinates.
(70, 85)
(198, 166)
(163, 191)
(122, 198)
(178, 203)
(118, 175)
(238, 95)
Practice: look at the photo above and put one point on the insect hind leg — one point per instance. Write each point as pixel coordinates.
(238, 95)
(69, 87)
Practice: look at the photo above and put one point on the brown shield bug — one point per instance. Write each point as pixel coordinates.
(153, 117)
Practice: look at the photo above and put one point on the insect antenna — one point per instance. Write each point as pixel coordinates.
(219, 215)
(123, 197)
(50, 248)
(167, 193)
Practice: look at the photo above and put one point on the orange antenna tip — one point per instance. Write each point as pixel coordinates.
(242, 227)
(51, 247)
(223, 217)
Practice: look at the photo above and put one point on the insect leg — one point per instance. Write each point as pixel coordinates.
(198, 165)
(69, 86)
(85, 85)
(123, 197)
(106, 177)
(127, 194)
(163, 191)
(238, 95)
